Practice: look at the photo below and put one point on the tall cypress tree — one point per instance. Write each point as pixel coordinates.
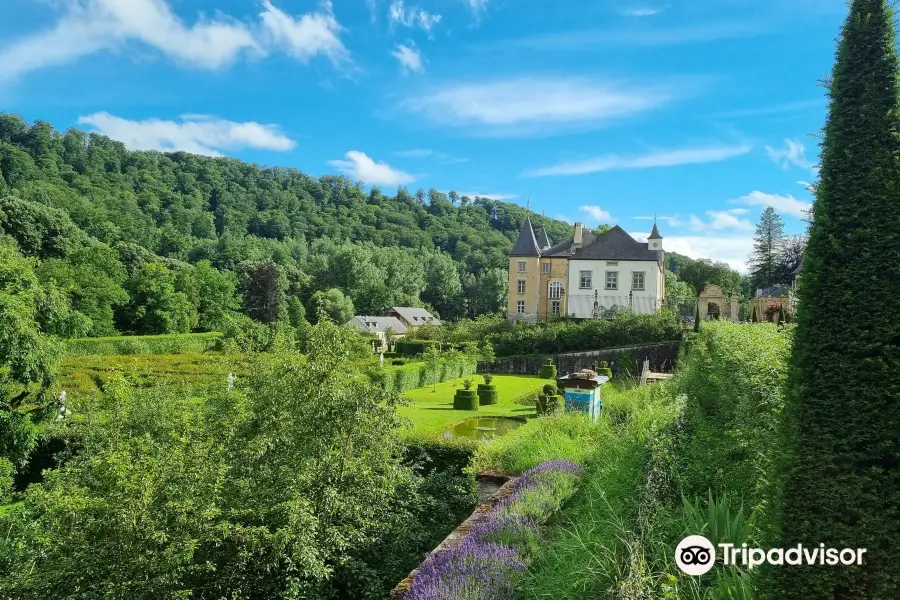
(768, 247)
(842, 473)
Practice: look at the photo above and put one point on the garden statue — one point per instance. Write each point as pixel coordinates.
(381, 360)
(230, 382)
(62, 405)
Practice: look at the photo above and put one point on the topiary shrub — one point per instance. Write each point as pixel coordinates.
(467, 384)
(548, 371)
(465, 400)
(603, 369)
(549, 404)
(487, 395)
(488, 378)
(549, 389)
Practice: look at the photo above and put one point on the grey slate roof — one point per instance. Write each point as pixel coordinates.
(543, 240)
(616, 244)
(415, 316)
(654, 235)
(376, 324)
(799, 268)
(565, 248)
(526, 245)
(776, 291)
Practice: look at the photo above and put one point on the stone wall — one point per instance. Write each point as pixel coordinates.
(623, 361)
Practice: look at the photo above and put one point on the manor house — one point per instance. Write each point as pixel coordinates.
(585, 276)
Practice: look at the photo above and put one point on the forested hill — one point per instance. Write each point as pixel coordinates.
(63, 192)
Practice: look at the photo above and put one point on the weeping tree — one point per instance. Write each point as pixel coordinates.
(841, 483)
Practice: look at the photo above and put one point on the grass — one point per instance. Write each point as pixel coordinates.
(591, 551)
(431, 412)
(80, 375)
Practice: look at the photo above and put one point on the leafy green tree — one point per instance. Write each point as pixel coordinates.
(768, 249)
(40, 230)
(842, 484)
(433, 359)
(337, 306)
(156, 306)
(92, 278)
(215, 296)
(443, 288)
(703, 272)
(486, 292)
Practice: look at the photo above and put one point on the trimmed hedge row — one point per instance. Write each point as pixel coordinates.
(414, 347)
(182, 343)
(418, 375)
(627, 329)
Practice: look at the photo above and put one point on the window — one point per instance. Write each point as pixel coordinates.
(612, 263)
(637, 280)
(545, 268)
(555, 290)
(554, 307)
(612, 280)
(585, 280)
(520, 307)
(521, 286)
(521, 266)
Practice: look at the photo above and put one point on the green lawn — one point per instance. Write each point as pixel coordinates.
(432, 412)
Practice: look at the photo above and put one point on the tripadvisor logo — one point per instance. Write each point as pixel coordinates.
(696, 555)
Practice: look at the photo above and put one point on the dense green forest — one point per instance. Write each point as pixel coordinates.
(148, 242)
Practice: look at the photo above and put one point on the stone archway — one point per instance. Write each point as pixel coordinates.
(712, 304)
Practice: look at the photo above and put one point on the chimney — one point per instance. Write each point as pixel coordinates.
(578, 234)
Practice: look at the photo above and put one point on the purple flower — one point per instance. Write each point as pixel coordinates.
(486, 564)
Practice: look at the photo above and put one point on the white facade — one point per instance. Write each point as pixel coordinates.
(610, 282)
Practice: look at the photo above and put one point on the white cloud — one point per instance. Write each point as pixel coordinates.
(489, 196)
(656, 159)
(521, 105)
(596, 212)
(90, 26)
(426, 153)
(307, 36)
(731, 249)
(783, 204)
(360, 167)
(793, 155)
(723, 219)
(641, 11)
(412, 17)
(194, 133)
(477, 6)
(410, 58)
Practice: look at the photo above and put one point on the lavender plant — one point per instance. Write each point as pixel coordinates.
(487, 563)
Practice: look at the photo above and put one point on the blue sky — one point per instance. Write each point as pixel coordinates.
(700, 111)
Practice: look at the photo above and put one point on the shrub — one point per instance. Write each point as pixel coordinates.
(184, 343)
(465, 400)
(487, 395)
(467, 384)
(603, 369)
(488, 378)
(548, 371)
(414, 347)
(626, 329)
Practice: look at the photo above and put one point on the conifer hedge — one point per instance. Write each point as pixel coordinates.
(842, 485)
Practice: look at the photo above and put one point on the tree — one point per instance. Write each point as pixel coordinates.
(215, 296)
(263, 292)
(602, 228)
(842, 483)
(156, 306)
(767, 249)
(679, 294)
(702, 272)
(337, 306)
(697, 318)
(789, 258)
(433, 358)
(443, 289)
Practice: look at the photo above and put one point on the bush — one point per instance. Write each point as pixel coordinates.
(487, 394)
(414, 347)
(414, 375)
(550, 404)
(184, 343)
(465, 400)
(626, 329)
(488, 378)
(548, 371)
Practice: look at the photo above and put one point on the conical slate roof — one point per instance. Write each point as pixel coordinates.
(654, 235)
(526, 245)
(543, 239)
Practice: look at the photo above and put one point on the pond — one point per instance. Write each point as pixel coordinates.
(484, 428)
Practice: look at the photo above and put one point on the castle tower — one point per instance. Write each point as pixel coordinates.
(524, 275)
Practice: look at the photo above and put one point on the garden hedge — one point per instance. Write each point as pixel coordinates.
(416, 375)
(842, 484)
(487, 394)
(414, 347)
(184, 343)
(548, 371)
(465, 400)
